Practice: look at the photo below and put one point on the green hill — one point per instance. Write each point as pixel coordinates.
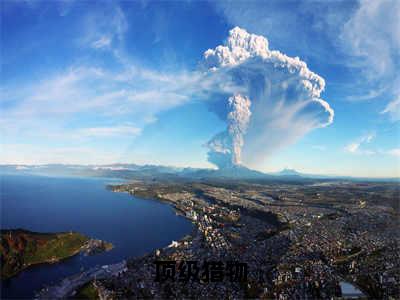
(20, 249)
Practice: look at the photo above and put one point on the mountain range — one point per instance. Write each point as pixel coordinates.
(155, 172)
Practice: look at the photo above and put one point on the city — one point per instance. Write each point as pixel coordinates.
(297, 240)
(204, 149)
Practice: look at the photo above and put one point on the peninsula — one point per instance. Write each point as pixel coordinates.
(20, 249)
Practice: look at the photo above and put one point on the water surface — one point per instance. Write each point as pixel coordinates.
(350, 290)
(46, 204)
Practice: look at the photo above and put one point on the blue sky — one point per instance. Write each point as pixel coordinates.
(100, 82)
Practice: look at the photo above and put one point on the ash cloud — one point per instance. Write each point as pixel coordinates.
(270, 99)
(226, 147)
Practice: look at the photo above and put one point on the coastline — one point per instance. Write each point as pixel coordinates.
(242, 224)
(68, 286)
(14, 262)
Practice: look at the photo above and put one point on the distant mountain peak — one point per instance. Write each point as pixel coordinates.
(289, 172)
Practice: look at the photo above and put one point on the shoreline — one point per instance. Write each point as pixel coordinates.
(15, 238)
(68, 286)
(33, 265)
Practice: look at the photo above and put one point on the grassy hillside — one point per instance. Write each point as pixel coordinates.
(20, 249)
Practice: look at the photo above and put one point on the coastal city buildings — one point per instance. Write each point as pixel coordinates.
(317, 241)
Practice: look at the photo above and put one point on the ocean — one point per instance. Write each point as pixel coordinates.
(53, 204)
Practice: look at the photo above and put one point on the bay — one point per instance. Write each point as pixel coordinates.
(53, 204)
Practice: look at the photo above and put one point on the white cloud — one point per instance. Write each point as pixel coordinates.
(284, 22)
(352, 148)
(283, 94)
(394, 152)
(369, 95)
(355, 147)
(105, 28)
(37, 154)
(372, 36)
(358, 148)
(373, 33)
(393, 109)
(124, 130)
(102, 42)
(292, 91)
(45, 108)
(89, 89)
(362, 35)
(66, 92)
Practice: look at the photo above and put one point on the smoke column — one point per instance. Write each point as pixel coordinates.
(268, 100)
